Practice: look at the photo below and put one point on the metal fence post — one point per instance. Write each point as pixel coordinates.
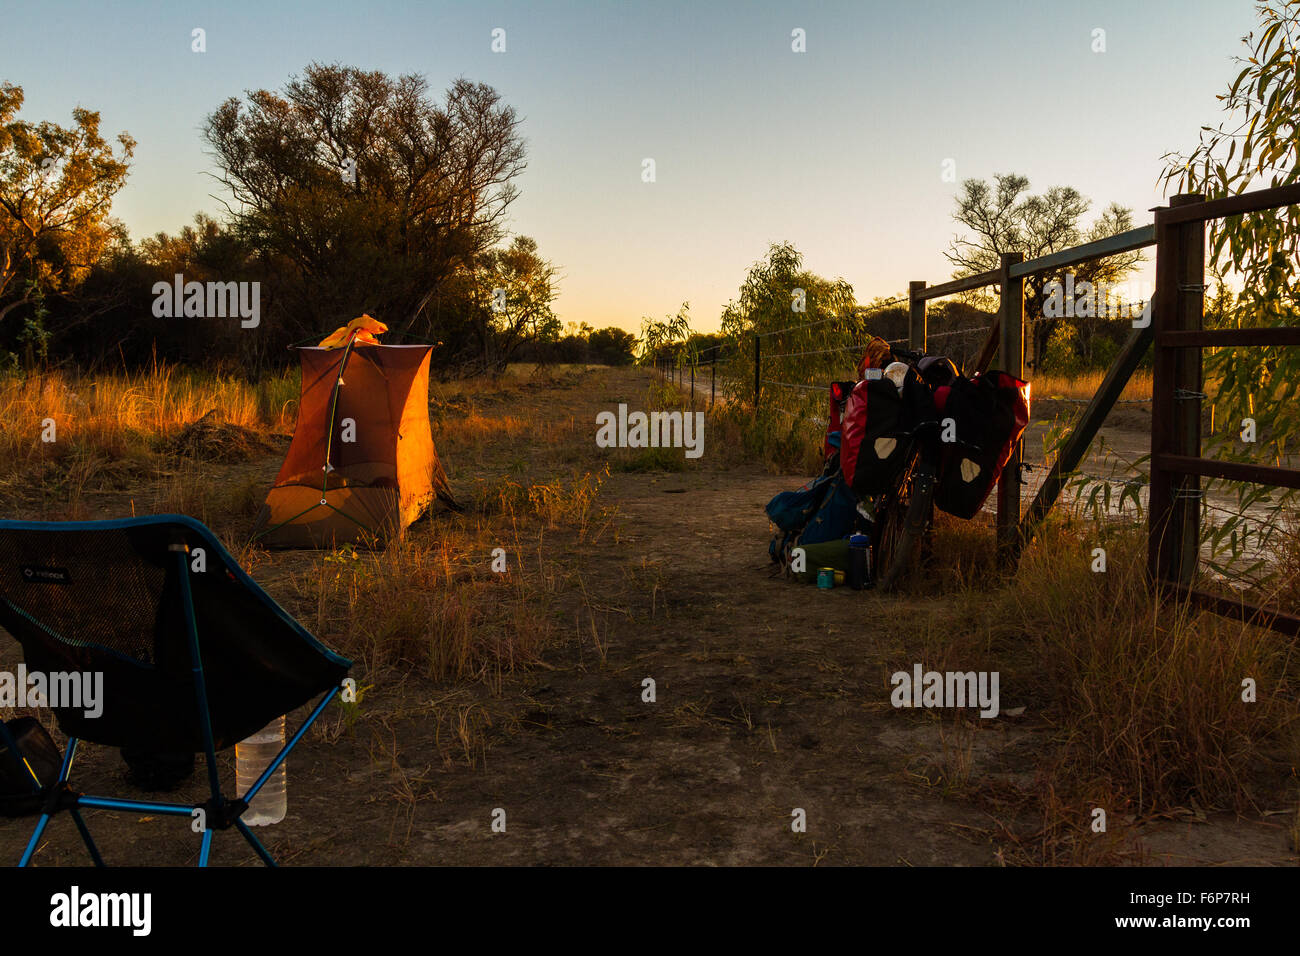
(1174, 512)
(1011, 347)
(916, 328)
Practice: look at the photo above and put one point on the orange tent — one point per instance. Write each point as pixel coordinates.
(361, 466)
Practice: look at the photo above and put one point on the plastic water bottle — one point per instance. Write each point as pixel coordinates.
(252, 756)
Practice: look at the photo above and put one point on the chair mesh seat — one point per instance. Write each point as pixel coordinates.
(106, 597)
(55, 590)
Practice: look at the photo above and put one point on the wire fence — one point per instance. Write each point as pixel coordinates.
(695, 378)
(793, 382)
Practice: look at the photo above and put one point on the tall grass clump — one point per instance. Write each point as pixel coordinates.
(782, 444)
(1145, 694)
(129, 415)
(432, 603)
(435, 607)
(1083, 385)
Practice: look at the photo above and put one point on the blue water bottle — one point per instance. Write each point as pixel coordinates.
(859, 562)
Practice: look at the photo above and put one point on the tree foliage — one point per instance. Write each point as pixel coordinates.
(1256, 145)
(808, 328)
(1003, 217)
(57, 185)
(367, 190)
(666, 339)
(512, 288)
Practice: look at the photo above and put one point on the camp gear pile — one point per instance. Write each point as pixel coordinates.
(873, 429)
(824, 510)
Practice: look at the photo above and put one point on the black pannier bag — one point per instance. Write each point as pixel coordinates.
(879, 431)
(990, 412)
(17, 798)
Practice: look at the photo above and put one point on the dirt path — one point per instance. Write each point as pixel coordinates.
(770, 697)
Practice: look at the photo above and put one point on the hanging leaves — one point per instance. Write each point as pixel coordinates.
(1256, 145)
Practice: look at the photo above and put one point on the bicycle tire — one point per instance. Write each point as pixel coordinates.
(905, 521)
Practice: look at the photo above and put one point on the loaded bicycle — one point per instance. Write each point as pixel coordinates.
(917, 435)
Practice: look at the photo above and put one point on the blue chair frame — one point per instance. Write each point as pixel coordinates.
(219, 812)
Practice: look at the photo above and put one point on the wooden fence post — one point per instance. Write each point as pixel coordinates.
(916, 326)
(758, 366)
(1011, 349)
(1173, 511)
(692, 380)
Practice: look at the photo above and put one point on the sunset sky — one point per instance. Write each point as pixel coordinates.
(838, 149)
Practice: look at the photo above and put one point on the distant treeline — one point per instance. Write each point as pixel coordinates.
(582, 346)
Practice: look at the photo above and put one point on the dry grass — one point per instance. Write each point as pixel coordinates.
(432, 603)
(1140, 699)
(436, 608)
(65, 436)
(1144, 697)
(1286, 593)
(1085, 385)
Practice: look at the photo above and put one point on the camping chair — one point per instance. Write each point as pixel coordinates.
(194, 655)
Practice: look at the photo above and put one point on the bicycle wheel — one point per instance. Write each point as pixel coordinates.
(907, 515)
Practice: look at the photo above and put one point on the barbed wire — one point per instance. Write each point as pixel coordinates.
(857, 315)
(1140, 480)
(1047, 466)
(943, 335)
(847, 350)
(1144, 481)
(1085, 401)
(887, 304)
(1272, 512)
(798, 415)
(811, 388)
(806, 325)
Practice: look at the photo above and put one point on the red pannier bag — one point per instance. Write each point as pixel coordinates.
(878, 431)
(990, 412)
(840, 392)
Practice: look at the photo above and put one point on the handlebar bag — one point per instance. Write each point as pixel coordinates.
(990, 412)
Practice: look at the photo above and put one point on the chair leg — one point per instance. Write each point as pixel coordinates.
(255, 843)
(205, 848)
(86, 838)
(66, 768)
(36, 838)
